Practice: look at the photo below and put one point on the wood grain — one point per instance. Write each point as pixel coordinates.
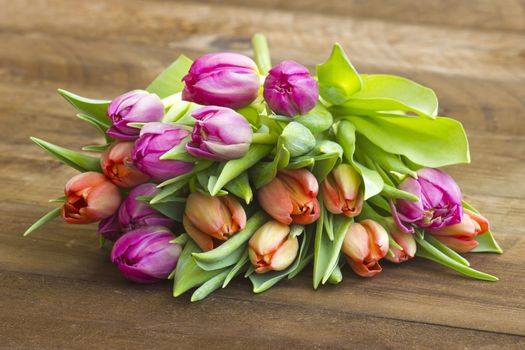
(58, 289)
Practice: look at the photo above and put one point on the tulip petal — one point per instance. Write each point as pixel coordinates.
(204, 241)
(285, 255)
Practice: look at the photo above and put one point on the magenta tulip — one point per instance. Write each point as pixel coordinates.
(219, 134)
(439, 202)
(222, 79)
(290, 90)
(146, 255)
(110, 228)
(136, 106)
(155, 140)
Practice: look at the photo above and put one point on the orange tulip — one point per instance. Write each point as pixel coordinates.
(405, 240)
(342, 192)
(291, 197)
(461, 237)
(364, 245)
(207, 218)
(272, 248)
(117, 165)
(90, 197)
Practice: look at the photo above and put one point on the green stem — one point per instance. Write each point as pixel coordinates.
(265, 139)
(261, 53)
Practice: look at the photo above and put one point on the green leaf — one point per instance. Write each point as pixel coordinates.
(446, 250)
(338, 79)
(76, 160)
(322, 250)
(97, 124)
(230, 259)
(209, 286)
(234, 242)
(169, 82)
(235, 167)
(96, 148)
(381, 93)
(93, 108)
(172, 208)
(236, 269)
(44, 219)
(179, 152)
(264, 172)
(317, 120)
(297, 139)
(181, 239)
(240, 186)
(199, 166)
(428, 251)
(262, 53)
(336, 276)
(341, 223)
(431, 143)
(486, 241)
(372, 181)
(392, 192)
(187, 273)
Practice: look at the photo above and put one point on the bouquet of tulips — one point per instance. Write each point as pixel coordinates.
(226, 166)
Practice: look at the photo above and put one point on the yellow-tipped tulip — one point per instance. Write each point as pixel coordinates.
(342, 191)
(272, 248)
(364, 245)
(207, 218)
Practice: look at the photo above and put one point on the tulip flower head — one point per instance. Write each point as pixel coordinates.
(117, 165)
(461, 237)
(405, 240)
(209, 220)
(90, 197)
(365, 243)
(439, 202)
(222, 79)
(155, 140)
(134, 213)
(290, 90)
(110, 228)
(219, 134)
(291, 197)
(342, 191)
(136, 106)
(271, 247)
(145, 255)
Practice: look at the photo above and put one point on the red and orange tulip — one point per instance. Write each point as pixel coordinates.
(117, 165)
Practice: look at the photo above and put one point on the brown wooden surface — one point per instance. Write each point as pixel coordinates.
(59, 290)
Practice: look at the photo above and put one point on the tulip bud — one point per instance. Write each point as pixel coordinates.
(439, 202)
(110, 228)
(342, 191)
(364, 245)
(134, 213)
(219, 134)
(136, 106)
(290, 90)
(207, 218)
(405, 240)
(117, 165)
(222, 79)
(291, 197)
(90, 197)
(272, 248)
(155, 140)
(145, 255)
(461, 237)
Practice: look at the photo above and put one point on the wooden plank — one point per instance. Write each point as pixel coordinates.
(187, 26)
(485, 14)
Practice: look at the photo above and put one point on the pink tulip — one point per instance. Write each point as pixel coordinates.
(207, 218)
(364, 245)
(291, 197)
(90, 197)
(117, 165)
(342, 191)
(272, 248)
(461, 237)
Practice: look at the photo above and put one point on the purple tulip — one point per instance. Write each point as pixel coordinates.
(219, 134)
(439, 201)
(146, 255)
(155, 140)
(290, 90)
(134, 213)
(222, 79)
(110, 228)
(136, 106)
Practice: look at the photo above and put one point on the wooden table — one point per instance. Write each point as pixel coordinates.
(59, 290)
